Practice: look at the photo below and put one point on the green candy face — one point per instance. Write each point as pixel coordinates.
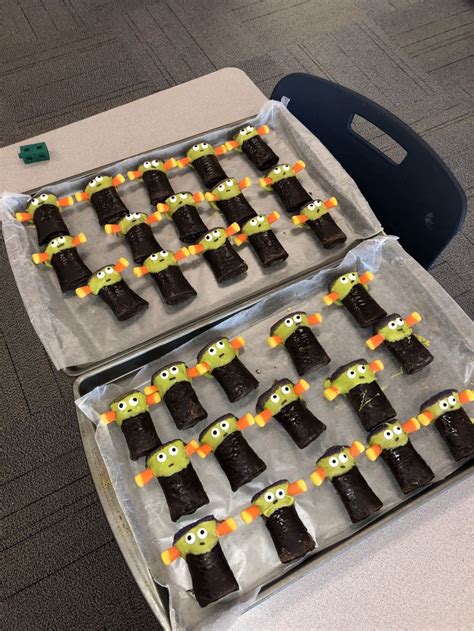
(131, 404)
(199, 539)
(57, 245)
(168, 459)
(168, 376)
(337, 463)
(214, 239)
(200, 149)
(289, 325)
(218, 354)
(255, 225)
(218, 431)
(343, 284)
(444, 405)
(40, 200)
(245, 133)
(390, 436)
(280, 397)
(281, 172)
(103, 278)
(151, 165)
(159, 261)
(314, 210)
(130, 220)
(353, 376)
(227, 189)
(395, 330)
(178, 200)
(274, 498)
(99, 183)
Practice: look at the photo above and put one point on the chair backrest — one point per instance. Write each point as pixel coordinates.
(418, 199)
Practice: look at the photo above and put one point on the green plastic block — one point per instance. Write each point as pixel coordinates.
(34, 153)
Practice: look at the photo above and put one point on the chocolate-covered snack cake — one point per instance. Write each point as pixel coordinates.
(408, 348)
(316, 216)
(135, 227)
(223, 260)
(202, 157)
(131, 412)
(44, 211)
(445, 411)
(163, 268)
(390, 441)
(101, 191)
(62, 256)
(171, 466)
(350, 290)
(198, 543)
(107, 283)
(257, 231)
(173, 384)
(357, 382)
(235, 456)
(284, 401)
(249, 140)
(283, 181)
(276, 506)
(153, 173)
(228, 199)
(182, 210)
(294, 333)
(220, 359)
(337, 464)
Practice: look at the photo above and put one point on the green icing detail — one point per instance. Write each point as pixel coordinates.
(445, 405)
(353, 376)
(280, 172)
(130, 405)
(337, 463)
(58, 244)
(159, 261)
(227, 189)
(40, 200)
(214, 239)
(390, 437)
(131, 220)
(289, 325)
(168, 459)
(245, 133)
(151, 165)
(169, 376)
(200, 149)
(274, 498)
(99, 183)
(255, 225)
(395, 330)
(314, 210)
(344, 283)
(281, 397)
(219, 353)
(200, 539)
(103, 277)
(217, 432)
(178, 200)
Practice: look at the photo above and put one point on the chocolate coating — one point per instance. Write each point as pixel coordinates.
(225, 263)
(238, 460)
(258, 152)
(327, 231)
(108, 206)
(189, 224)
(209, 170)
(408, 467)
(49, 223)
(305, 350)
(362, 306)
(211, 576)
(184, 492)
(268, 248)
(140, 435)
(235, 379)
(70, 269)
(370, 404)
(236, 209)
(358, 498)
(290, 537)
(122, 300)
(457, 431)
(157, 185)
(410, 353)
(173, 285)
(291, 193)
(142, 242)
(300, 423)
(184, 405)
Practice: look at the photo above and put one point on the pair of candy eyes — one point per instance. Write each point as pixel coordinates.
(161, 457)
(394, 323)
(224, 425)
(59, 241)
(42, 198)
(345, 279)
(279, 495)
(191, 537)
(133, 216)
(212, 351)
(108, 270)
(96, 180)
(335, 460)
(246, 130)
(388, 434)
(352, 373)
(203, 145)
(278, 170)
(222, 186)
(256, 220)
(174, 198)
(214, 233)
(316, 204)
(164, 374)
(297, 319)
(276, 397)
(162, 254)
(154, 163)
(133, 401)
(444, 404)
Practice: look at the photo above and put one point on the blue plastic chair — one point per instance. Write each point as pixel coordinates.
(419, 200)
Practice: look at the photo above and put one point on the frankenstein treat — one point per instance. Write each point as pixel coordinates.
(257, 231)
(220, 360)
(135, 227)
(182, 209)
(153, 174)
(283, 181)
(202, 157)
(396, 334)
(390, 441)
(198, 543)
(44, 211)
(451, 420)
(248, 139)
(350, 290)
(338, 465)
(237, 459)
(163, 268)
(131, 413)
(316, 216)
(62, 256)
(294, 332)
(107, 283)
(356, 381)
(223, 260)
(284, 401)
(102, 193)
(276, 505)
(228, 199)
(171, 466)
(173, 384)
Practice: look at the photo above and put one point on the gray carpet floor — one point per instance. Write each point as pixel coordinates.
(63, 60)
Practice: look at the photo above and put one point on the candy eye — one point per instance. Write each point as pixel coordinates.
(190, 538)
(250, 128)
(220, 344)
(242, 130)
(286, 167)
(261, 218)
(212, 350)
(122, 405)
(147, 164)
(174, 370)
(202, 533)
(253, 222)
(183, 195)
(397, 429)
(352, 276)
(43, 197)
(164, 374)
(35, 201)
(310, 206)
(204, 145)
(221, 188)
(289, 322)
(392, 324)
(196, 147)
(134, 401)
(129, 217)
(61, 240)
(361, 368)
(343, 458)
(154, 257)
(208, 237)
(155, 163)
(275, 398)
(216, 233)
(388, 434)
(269, 497)
(92, 183)
(225, 425)
(99, 179)
(399, 321)
(215, 432)
(351, 373)
(344, 280)
(279, 494)
(443, 404)
(163, 253)
(277, 170)
(100, 275)
(53, 243)
(173, 198)
(137, 215)
(297, 318)
(161, 457)
(173, 451)
(317, 203)
(333, 462)
(452, 400)
(286, 389)
(109, 269)
(229, 182)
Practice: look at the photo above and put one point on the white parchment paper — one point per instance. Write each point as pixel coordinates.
(400, 285)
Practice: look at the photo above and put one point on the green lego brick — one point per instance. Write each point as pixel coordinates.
(34, 153)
